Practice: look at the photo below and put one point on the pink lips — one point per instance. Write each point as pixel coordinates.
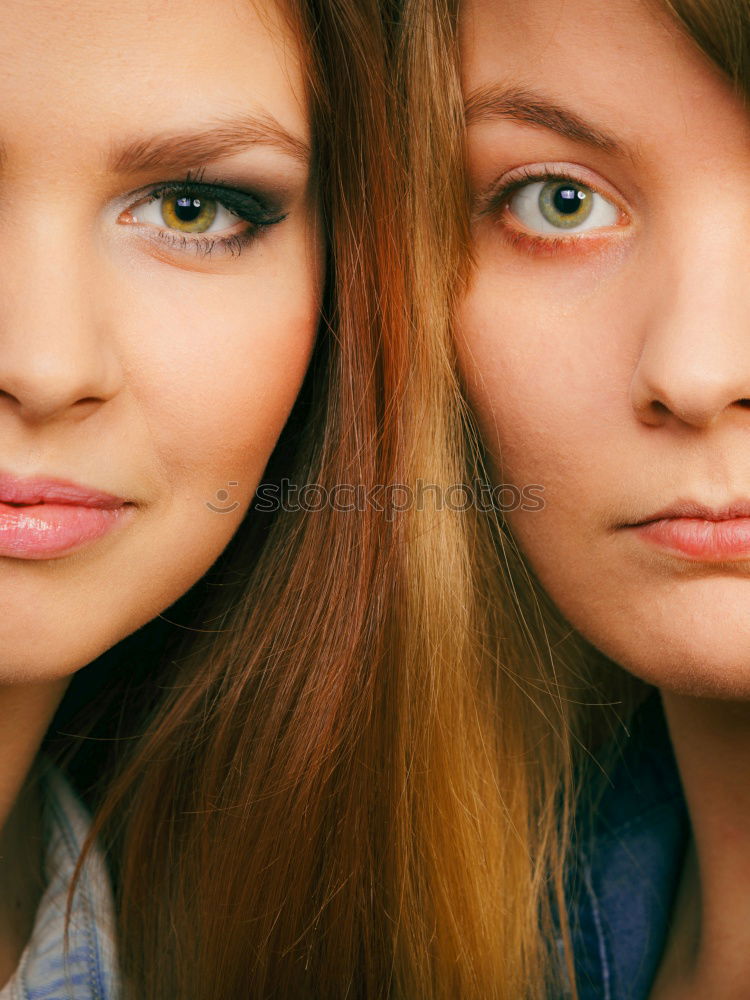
(44, 518)
(700, 532)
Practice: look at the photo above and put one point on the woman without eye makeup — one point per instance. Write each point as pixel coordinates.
(201, 289)
(592, 161)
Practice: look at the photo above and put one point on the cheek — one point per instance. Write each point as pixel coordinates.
(222, 399)
(218, 373)
(545, 385)
(216, 407)
(549, 392)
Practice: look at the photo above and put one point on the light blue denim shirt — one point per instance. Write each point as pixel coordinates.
(90, 972)
(622, 882)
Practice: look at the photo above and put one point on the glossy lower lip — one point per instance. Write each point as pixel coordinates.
(50, 530)
(698, 538)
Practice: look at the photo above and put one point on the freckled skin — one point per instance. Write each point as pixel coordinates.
(125, 365)
(612, 370)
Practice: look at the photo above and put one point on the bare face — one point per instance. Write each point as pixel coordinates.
(605, 337)
(153, 335)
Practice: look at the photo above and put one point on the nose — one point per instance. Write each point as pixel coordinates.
(55, 356)
(694, 363)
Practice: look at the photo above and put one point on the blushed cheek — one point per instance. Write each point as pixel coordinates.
(214, 423)
(230, 409)
(216, 371)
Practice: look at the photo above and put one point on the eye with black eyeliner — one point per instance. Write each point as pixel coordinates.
(553, 207)
(192, 210)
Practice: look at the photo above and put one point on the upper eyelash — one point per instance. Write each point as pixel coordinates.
(241, 203)
(498, 195)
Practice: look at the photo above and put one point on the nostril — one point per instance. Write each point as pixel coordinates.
(744, 402)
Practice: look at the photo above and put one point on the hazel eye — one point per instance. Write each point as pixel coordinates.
(185, 213)
(192, 215)
(561, 204)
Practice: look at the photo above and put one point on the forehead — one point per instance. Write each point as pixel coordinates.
(548, 32)
(95, 69)
(624, 63)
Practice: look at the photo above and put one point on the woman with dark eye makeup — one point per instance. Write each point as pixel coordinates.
(588, 270)
(202, 360)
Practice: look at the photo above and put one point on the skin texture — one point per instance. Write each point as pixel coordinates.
(614, 369)
(152, 372)
(609, 370)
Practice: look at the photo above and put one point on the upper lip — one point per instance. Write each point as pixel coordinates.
(43, 489)
(692, 508)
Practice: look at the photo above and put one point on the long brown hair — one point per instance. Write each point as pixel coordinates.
(237, 752)
(542, 697)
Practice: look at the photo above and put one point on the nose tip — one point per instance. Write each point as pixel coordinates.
(697, 400)
(694, 362)
(57, 343)
(38, 397)
(38, 386)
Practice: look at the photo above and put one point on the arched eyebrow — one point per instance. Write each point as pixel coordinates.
(532, 108)
(218, 138)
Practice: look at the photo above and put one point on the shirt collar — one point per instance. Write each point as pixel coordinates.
(90, 972)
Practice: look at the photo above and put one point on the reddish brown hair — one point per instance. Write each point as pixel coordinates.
(242, 774)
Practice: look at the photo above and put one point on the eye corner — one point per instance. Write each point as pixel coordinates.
(126, 217)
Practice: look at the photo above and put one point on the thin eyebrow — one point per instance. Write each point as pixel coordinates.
(531, 108)
(221, 137)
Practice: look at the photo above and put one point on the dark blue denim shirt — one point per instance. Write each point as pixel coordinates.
(627, 863)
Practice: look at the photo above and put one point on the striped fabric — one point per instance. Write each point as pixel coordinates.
(90, 972)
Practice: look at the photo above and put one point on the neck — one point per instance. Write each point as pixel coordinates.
(26, 711)
(707, 953)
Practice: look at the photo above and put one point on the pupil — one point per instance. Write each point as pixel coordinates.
(188, 209)
(567, 200)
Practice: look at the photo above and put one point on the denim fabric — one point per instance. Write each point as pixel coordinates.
(90, 973)
(621, 883)
(627, 863)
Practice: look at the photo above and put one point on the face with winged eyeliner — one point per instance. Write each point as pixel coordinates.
(161, 270)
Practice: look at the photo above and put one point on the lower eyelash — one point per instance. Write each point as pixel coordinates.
(205, 246)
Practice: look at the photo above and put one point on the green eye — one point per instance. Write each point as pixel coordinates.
(560, 203)
(564, 204)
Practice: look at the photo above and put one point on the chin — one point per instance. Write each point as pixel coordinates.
(50, 642)
(688, 633)
(24, 660)
(703, 658)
